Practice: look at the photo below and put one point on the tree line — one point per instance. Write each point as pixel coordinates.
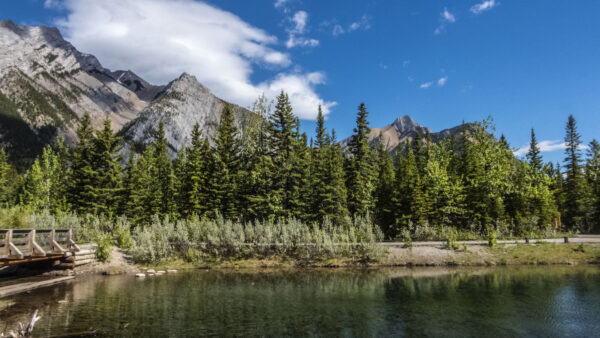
(471, 182)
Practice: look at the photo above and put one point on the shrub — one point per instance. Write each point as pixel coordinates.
(492, 238)
(451, 242)
(104, 246)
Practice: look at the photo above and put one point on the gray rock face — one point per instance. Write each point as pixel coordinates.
(403, 129)
(48, 85)
(183, 103)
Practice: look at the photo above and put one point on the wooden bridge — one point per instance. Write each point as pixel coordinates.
(28, 245)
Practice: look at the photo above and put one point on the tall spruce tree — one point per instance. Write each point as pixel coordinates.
(574, 207)
(227, 164)
(167, 182)
(384, 192)
(82, 192)
(592, 175)
(533, 155)
(359, 167)
(109, 178)
(409, 198)
(282, 143)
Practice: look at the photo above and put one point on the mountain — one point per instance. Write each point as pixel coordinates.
(404, 129)
(183, 103)
(46, 86)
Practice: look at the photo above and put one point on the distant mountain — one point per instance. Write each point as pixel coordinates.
(183, 103)
(46, 85)
(404, 129)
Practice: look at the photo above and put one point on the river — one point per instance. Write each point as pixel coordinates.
(495, 302)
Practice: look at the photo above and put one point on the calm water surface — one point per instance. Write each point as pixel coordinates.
(499, 302)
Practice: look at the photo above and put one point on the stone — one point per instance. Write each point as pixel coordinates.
(140, 275)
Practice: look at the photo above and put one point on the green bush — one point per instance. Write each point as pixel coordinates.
(451, 241)
(104, 246)
(492, 238)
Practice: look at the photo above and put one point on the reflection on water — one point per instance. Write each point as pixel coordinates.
(549, 301)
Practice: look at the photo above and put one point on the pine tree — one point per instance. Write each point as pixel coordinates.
(359, 168)
(409, 198)
(384, 192)
(574, 213)
(167, 182)
(108, 183)
(592, 173)
(43, 187)
(533, 155)
(8, 177)
(83, 174)
(282, 143)
(227, 164)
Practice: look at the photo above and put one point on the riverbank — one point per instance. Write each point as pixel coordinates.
(540, 253)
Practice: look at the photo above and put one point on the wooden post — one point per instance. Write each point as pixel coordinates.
(54, 246)
(71, 245)
(566, 239)
(33, 247)
(526, 240)
(11, 251)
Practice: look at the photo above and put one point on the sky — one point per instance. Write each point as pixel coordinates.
(528, 64)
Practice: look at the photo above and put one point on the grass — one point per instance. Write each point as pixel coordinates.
(546, 253)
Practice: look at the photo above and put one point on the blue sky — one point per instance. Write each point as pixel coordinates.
(526, 63)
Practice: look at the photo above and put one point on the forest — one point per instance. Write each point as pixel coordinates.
(467, 186)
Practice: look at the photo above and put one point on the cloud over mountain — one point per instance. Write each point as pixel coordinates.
(160, 39)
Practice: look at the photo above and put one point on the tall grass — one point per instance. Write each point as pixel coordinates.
(213, 239)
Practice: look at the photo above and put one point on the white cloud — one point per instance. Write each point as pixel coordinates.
(484, 6)
(447, 16)
(295, 38)
(300, 20)
(426, 85)
(280, 3)
(546, 146)
(405, 63)
(363, 24)
(442, 81)
(160, 39)
(338, 30)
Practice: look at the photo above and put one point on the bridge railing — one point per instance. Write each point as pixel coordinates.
(23, 243)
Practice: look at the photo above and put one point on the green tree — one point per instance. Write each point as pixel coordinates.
(409, 197)
(384, 192)
(592, 175)
(227, 164)
(574, 203)
(360, 181)
(82, 192)
(166, 180)
(8, 176)
(108, 183)
(533, 155)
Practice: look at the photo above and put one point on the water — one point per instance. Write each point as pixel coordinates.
(497, 302)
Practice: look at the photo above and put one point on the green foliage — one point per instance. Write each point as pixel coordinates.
(104, 242)
(451, 240)
(492, 238)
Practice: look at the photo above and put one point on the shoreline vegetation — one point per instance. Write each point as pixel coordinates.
(265, 192)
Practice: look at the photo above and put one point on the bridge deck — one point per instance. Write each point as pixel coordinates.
(30, 245)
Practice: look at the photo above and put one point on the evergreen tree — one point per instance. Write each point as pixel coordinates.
(384, 192)
(8, 177)
(283, 140)
(82, 194)
(574, 207)
(227, 156)
(409, 198)
(108, 183)
(166, 180)
(592, 171)
(359, 168)
(533, 155)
